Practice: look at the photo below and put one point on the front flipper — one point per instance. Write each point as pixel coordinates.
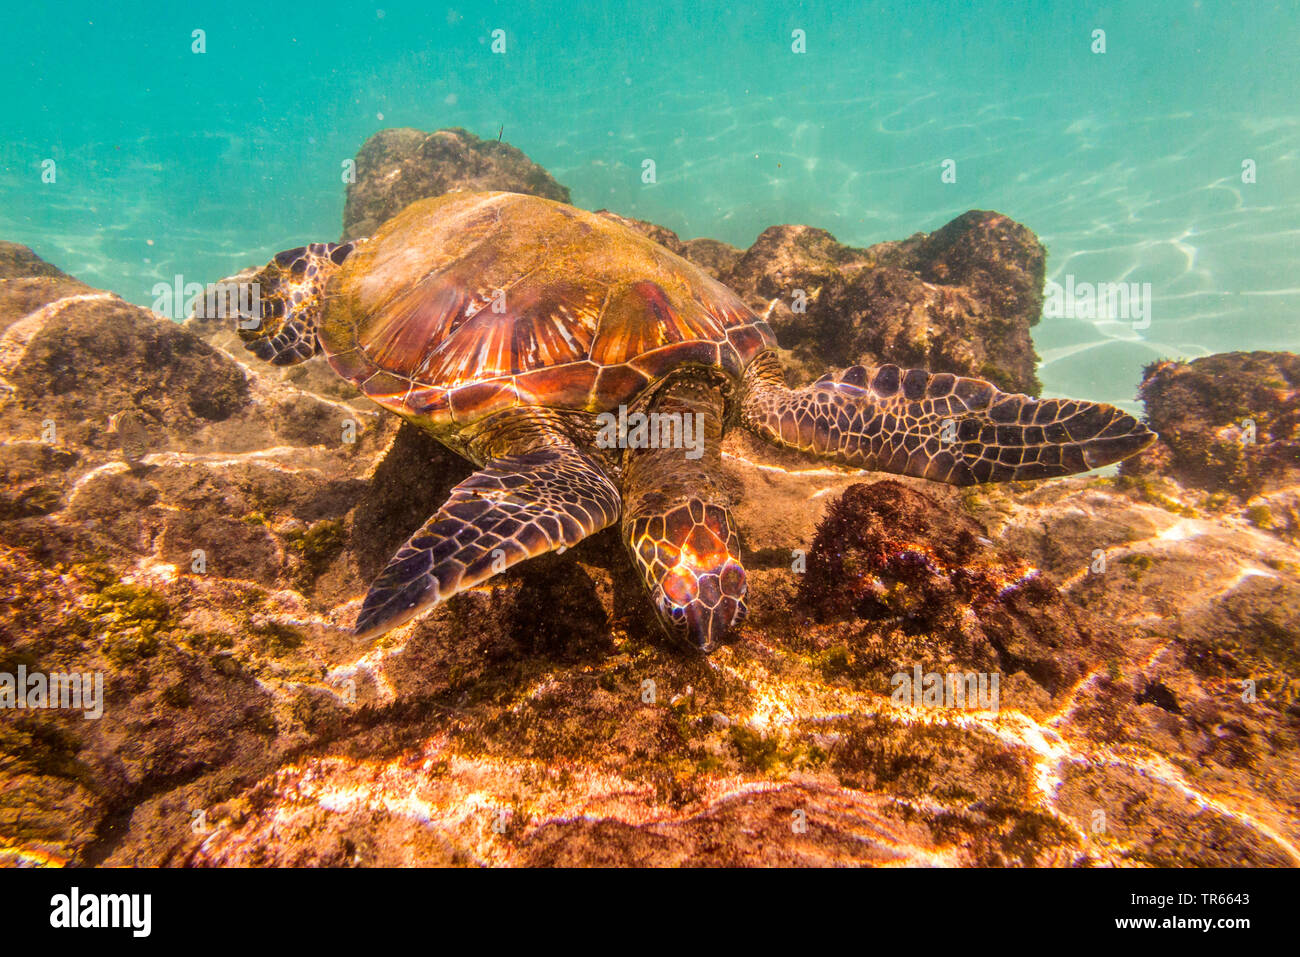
(515, 508)
(940, 427)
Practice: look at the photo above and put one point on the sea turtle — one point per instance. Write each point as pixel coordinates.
(590, 375)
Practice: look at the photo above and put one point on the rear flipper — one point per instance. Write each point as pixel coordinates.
(517, 507)
(940, 427)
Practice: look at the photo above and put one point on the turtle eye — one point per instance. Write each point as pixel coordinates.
(678, 614)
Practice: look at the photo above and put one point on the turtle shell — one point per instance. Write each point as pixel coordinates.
(470, 303)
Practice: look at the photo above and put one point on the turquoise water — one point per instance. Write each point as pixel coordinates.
(1127, 163)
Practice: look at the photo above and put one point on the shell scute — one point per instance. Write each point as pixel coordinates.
(430, 401)
(659, 362)
(616, 385)
(479, 399)
(751, 339)
(566, 387)
(386, 388)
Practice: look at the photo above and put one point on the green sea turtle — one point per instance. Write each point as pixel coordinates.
(590, 375)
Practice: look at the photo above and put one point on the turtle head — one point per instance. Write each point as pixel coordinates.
(289, 291)
(689, 557)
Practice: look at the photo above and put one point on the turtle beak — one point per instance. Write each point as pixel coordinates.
(716, 607)
(706, 627)
(700, 629)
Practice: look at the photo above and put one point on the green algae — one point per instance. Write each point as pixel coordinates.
(1260, 516)
(318, 544)
(274, 639)
(835, 662)
(177, 695)
(133, 617)
(1138, 564)
(1148, 491)
(773, 753)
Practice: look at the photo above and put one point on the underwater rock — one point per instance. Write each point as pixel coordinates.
(1196, 717)
(80, 355)
(959, 300)
(1228, 422)
(19, 262)
(27, 282)
(998, 261)
(935, 588)
(395, 167)
(1277, 512)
